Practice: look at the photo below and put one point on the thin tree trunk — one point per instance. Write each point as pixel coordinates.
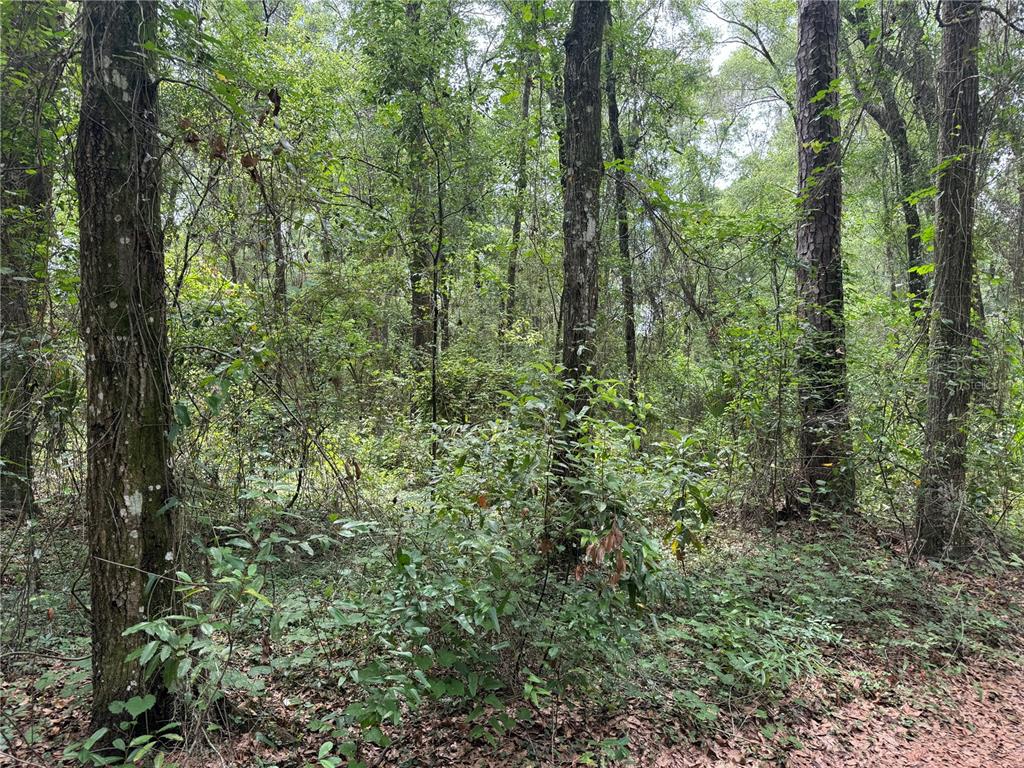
(28, 42)
(1017, 259)
(622, 220)
(420, 252)
(825, 469)
(888, 115)
(890, 120)
(520, 203)
(941, 492)
(129, 490)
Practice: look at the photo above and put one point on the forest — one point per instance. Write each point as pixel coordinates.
(512, 383)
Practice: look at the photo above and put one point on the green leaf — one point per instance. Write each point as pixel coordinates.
(136, 705)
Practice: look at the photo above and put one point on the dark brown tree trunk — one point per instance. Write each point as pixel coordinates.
(29, 41)
(520, 203)
(890, 120)
(130, 489)
(280, 290)
(888, 116)
(825, 469)
(1017, 259)
(622, 220)
(420, 252)
(940, 497)
(583, 170)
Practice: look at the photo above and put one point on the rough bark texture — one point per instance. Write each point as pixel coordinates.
(132, 525)
(824, 440)
(583, 169)
(29, 30)
(622, 220)
(941, 493)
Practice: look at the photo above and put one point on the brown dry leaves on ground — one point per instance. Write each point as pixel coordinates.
(868, 712)
(970, 720)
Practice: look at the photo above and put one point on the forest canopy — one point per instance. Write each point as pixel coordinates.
(508, 382)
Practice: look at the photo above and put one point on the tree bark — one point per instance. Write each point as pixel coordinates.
(28, 42)
(941, 492)
(825, 469)
(583, 169)
(888, 116)
(520, 202)
(622, 220)
(420, 252)
(130, 487)
(1017, 259)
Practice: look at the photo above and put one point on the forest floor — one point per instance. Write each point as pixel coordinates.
(971, 719)
(860, 661)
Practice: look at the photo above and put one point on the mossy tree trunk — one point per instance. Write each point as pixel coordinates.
(825, 471)
(129, 489)
(29, 38)
(940, 500)
(583, 170)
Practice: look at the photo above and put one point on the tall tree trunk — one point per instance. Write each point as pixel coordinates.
(888, 115)
(581, 185)
(824, 440)
(279, 289)
(890, 120)
(130, 489)
(1017, 259)
(582, 218)
(622, 219)
(520, 202)
(30, 47)
(420, 251)
(28, 40)
(941, 492)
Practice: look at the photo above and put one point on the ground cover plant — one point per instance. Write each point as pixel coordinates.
(535, 382)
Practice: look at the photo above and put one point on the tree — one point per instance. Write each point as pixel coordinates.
(880, 101)
(529, 45)
(824, 440)
(29, 79)
(420, 252)
(129, 495)
(941, 492)
(583, 170)
(621, 218)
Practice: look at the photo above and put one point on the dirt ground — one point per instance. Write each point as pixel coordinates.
(972, 720)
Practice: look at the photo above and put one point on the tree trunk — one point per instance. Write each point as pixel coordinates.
(129, 490)
(941, 492)
(420, 252)
(520, 203)
(28, 41)
(824, 441)
(582, 218)
(892, 123)
(1017, 259)
(888, 116)
(622, 220)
